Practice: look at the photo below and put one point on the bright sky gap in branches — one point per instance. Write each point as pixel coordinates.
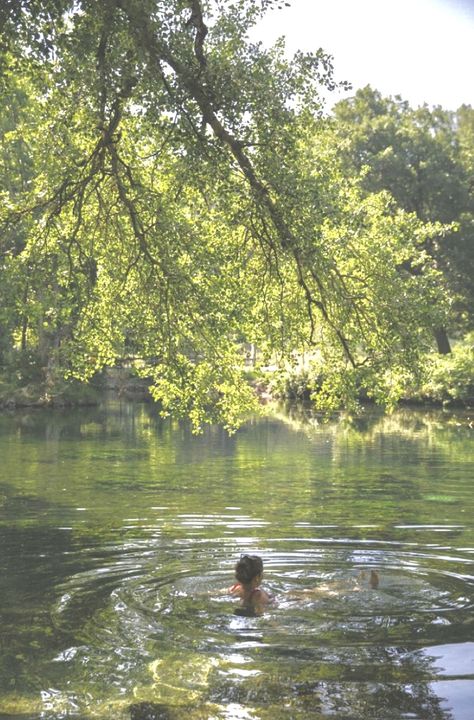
(422, 50)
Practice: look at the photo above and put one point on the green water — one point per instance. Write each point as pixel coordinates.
(118, 529)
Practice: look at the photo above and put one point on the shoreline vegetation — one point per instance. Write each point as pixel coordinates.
(448, 382)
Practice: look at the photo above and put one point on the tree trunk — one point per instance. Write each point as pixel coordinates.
(442, 341)
(24, 331)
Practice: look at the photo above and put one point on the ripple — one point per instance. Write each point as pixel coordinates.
(146, 615)
(420, 579)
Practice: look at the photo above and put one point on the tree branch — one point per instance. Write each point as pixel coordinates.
(158, 53)
(197, 21)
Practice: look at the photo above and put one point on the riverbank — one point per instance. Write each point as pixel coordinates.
(268, 388)
(445, 380)
(64, 393)
(448, 380)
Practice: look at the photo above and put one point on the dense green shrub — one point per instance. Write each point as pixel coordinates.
(451, 377)
(292, 383)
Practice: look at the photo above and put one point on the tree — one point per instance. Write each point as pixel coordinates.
(186, 197)
(417, 156)
(464, 259)
(15, 174)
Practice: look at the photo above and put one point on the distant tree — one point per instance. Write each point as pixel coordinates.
(464, 250)
(417, 155)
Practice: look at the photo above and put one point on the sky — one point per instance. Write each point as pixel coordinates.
(422, 50)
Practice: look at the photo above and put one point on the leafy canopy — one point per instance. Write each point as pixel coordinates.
(185, 195)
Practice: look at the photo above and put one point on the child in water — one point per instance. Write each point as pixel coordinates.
(248, 573)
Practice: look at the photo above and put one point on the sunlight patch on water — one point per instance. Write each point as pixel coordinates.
(234, 711)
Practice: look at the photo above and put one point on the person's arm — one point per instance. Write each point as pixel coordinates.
(232, 590)
(235, 590)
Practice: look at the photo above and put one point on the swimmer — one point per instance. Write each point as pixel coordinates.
(248, 573)
(254, 600)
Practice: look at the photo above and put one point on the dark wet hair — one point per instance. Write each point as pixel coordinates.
(248, 567)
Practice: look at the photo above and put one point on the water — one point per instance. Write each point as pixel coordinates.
(118, 529)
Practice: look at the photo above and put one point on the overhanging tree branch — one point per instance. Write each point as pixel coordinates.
(158, 52)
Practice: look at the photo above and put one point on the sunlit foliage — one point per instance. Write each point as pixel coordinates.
(183, 194)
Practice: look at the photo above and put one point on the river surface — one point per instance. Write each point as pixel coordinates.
(119, 529)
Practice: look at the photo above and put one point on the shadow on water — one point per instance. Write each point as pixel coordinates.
(118, 531)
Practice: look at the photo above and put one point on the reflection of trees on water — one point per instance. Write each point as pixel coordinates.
(374, 470)
(395, 683)
(138, 419)
(141, 424)
(32, 559)
(373, 701)
(438, 427)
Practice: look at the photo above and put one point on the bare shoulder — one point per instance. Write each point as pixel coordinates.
(261, 597)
